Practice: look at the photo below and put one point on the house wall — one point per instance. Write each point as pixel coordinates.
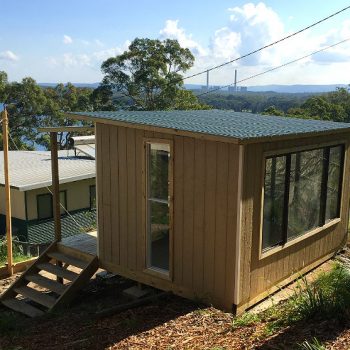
(17, 203)
(78, 196)
(258, 275)
(205, 183)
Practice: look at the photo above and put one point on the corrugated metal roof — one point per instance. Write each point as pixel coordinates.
(241, 126)
(32, 169)
(88, 150)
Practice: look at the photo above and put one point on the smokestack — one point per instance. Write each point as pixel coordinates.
(235, 86)
(207, 80)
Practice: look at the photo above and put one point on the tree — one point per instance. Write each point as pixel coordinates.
(3, 83)
(31, 106)
(272, 110)
(149, 73)
(318, 107)
(102, 99)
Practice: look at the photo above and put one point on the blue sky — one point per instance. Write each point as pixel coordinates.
(60, 41)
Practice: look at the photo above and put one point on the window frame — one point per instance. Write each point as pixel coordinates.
(153, 271)
(50, 194)
(38, 196)
(91, 207)
(263, 253)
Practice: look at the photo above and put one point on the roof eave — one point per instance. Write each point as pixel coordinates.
(229, 139)
(34, 186)
(172, 131)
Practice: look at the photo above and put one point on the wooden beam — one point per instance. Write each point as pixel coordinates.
(67, 129)
(56, 193)
(5, 122)
(55, 186)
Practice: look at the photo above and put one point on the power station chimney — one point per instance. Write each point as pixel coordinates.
(235, 85)
(207, 80)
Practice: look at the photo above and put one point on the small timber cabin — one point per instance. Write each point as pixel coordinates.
(220, 206)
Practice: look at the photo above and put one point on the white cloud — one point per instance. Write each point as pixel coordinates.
(172, 31)
(8, 56)
(252, 26)
(67, 39)
(98, 42)
(248, 27)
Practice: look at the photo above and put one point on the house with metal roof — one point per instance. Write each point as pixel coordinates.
(220, 206)
(30, 180)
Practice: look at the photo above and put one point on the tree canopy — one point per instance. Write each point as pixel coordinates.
(149, 73)
(31, 106)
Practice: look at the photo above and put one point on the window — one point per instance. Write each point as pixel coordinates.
(158, 165)
(92, 197)
(302, 191)
(44, 205)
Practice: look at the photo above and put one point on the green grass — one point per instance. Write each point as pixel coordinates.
(314, 344)
(17, 252)
(326, 298)
(246, 319)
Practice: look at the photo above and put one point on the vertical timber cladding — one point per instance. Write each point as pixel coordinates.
(258, 275)
(205, 181)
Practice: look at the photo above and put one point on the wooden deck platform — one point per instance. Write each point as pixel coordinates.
(84, 242)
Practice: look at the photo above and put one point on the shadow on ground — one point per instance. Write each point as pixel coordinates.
(291, 337)
(79, 328)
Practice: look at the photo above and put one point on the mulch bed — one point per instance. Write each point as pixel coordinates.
(169, 323)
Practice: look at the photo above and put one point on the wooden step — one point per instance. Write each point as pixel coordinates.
(58, 271)
(21, 306)
(68, 259)
(38, 297)
(47, 283)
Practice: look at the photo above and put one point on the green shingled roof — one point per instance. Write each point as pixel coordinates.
(241, 126)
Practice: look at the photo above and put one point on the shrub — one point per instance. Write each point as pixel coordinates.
(17, 251)
(327, 297)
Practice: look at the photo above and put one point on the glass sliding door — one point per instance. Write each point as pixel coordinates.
(158, 206)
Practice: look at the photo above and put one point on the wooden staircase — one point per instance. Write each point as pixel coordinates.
(51, 282)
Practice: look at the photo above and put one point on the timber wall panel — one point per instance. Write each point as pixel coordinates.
(258, 275)
(204, 212)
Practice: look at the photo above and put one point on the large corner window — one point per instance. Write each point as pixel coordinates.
(158, 204)
(44, 205)
(302, 191)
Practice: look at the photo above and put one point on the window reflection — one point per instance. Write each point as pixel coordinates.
(302, 191)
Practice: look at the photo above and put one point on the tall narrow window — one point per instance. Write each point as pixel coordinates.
(305, 192)
(274, 197)
(334, 182)
(158, 203)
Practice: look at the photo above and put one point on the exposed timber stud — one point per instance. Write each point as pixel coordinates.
(55, 186)
(56, 193)
(5, 122)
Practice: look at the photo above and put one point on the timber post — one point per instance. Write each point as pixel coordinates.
(55, 186)
(56, 192)
(5, 122)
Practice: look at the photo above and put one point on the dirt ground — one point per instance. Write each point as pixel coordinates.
(168, 323)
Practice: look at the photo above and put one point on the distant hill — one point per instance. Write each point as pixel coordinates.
(258, 88)
(87, 85)
(296, 88)
(282, 88)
